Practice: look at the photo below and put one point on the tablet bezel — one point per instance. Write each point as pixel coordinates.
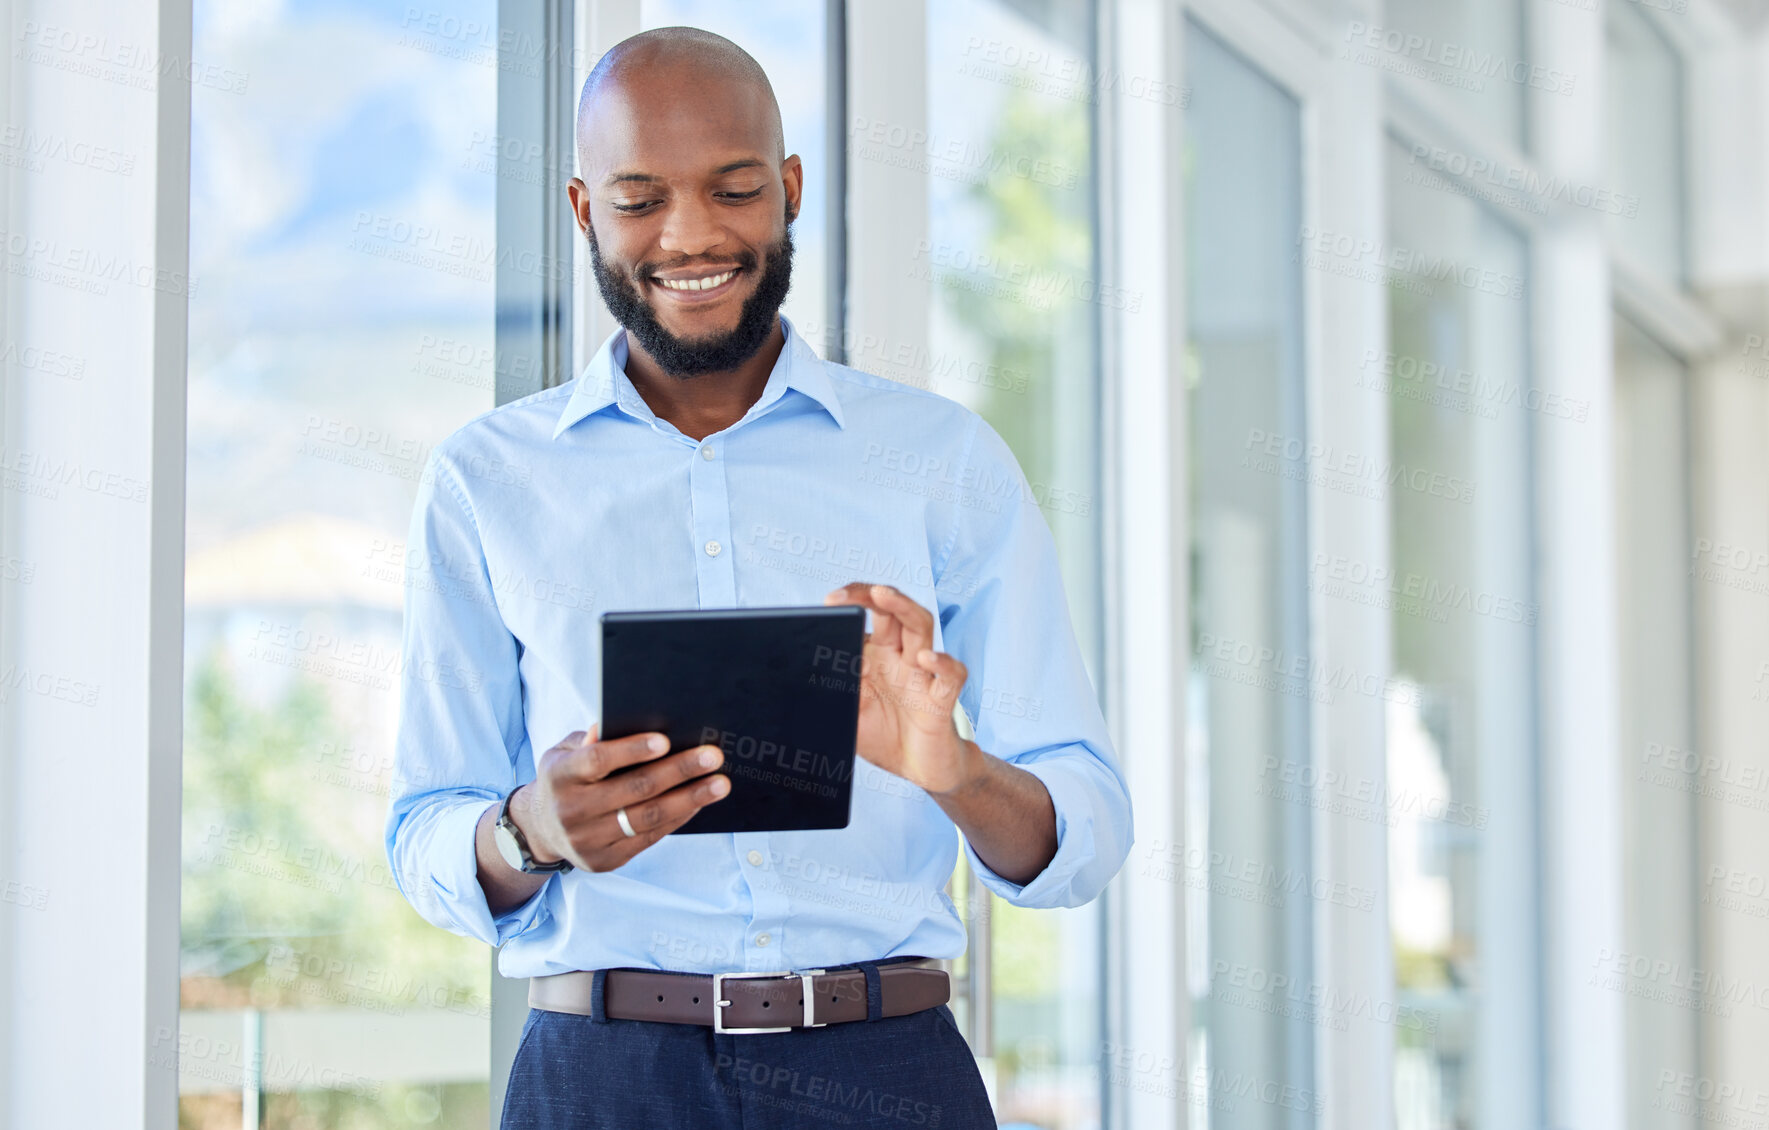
(682, 710)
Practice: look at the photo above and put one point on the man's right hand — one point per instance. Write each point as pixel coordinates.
(568, 810)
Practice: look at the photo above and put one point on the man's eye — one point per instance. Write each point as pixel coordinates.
(640, 207)
(743, 195)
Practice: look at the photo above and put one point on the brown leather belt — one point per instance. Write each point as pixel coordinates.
(745, 1002)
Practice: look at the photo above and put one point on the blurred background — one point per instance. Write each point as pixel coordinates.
(1391, 373)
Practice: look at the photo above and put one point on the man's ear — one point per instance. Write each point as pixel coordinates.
(578, 194)
(792, 165)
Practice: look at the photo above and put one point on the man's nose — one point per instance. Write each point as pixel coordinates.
(690, 227)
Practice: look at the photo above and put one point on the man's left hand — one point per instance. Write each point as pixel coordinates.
(907, 692)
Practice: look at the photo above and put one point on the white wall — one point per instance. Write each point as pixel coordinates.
(91, 546)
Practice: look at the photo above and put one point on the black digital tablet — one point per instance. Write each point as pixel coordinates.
(777, 689)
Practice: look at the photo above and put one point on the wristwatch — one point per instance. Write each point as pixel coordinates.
(514, 848)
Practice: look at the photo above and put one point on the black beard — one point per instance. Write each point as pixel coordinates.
(686, 357)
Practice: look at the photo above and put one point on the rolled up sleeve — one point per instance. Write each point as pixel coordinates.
(1004, 616)
(461, 742)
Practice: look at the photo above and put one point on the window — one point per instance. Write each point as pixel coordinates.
(1013, 333)
(788, 38)
(1470, 54)
(343, 207)
(1461, 742)
(1658, 740)
(1643, 94)
(1248, 714)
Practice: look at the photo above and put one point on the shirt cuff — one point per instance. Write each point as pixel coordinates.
(1071, 795)
(457, 881)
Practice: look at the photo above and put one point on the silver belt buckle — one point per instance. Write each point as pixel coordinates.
(720, 1003)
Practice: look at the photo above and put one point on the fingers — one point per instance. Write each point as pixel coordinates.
(586, 809)
(898, 621)
(853, 592)
(914, 624)
(887, 628)
(948, 675)
(886, 631)
(928, 684)
(634, 786)
(671, 810)
(588, 781)
(585, 759)
(900, 667)
(651, 821)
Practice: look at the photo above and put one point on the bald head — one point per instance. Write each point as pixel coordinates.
(687, 196)
(688, 63)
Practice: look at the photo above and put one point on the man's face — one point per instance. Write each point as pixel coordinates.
(687, 209)
(713, 351)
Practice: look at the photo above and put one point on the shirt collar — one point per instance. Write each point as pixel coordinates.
(604, 382)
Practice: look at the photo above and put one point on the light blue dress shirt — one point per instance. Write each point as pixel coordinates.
(540, 515)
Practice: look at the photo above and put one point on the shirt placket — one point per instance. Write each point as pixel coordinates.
(715, 571)
(764, 943)
(714, 565)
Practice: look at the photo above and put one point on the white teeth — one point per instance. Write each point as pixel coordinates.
(697, 284)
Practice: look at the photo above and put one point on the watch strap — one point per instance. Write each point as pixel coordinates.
(529, 866)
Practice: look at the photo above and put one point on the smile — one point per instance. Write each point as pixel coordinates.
(710, 282)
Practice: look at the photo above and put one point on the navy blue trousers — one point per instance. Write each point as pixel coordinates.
(592, 1073)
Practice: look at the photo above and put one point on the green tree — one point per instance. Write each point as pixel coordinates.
(1041, 234)
(288, 900)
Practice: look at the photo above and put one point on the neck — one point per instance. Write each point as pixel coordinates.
(705, 403)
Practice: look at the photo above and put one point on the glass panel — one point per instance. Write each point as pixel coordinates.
(787, 39)
(1462, 783)
(1661, 858)
(342, 205)
(1247, 720)
(1008, 150)
(1471, 52)
(1643, 94)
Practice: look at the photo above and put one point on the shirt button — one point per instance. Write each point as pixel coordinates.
(755, 858)
(762, 939)
(706, 452)
(713, 549)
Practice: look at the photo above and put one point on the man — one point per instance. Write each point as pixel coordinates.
(707, 458)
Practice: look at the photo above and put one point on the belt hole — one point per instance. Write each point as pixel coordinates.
(696, 1000)
(764, 1004)
(660, 998)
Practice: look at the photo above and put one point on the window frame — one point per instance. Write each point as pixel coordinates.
(1293, 47)
(1683, 892)
(1288, 41)
(1692, 332)
(1353, 114)
(1531, 930)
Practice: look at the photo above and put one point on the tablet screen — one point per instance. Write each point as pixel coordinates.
(777, 689)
